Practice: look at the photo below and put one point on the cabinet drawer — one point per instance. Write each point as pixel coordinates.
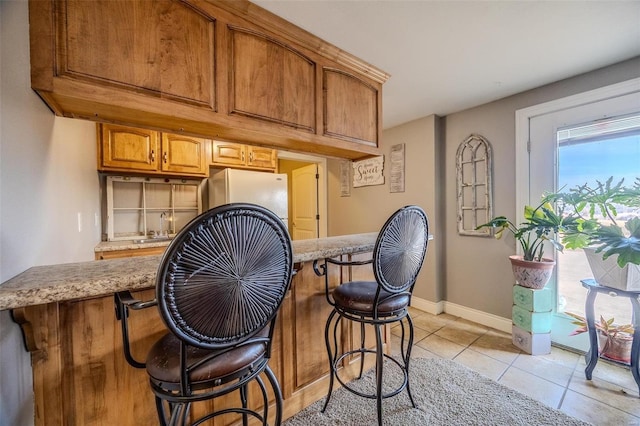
(535, 322)
(229, 153)
(533, 300)
(260, 157)
(531, 343)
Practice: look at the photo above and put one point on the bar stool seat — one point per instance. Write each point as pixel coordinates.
(164, 367)
(359, 297)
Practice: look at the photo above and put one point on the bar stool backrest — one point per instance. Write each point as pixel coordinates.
(224, 276)
(400, 249)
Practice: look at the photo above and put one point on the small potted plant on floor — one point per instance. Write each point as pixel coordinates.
(607, 240)
(531, 269)
(614, 340)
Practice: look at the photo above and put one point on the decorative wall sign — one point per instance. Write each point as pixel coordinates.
(345, 178)
(368, 172)
(396, 170)
(475, 201)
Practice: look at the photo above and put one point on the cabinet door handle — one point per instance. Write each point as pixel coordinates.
(164, 157)
(153, 156)
(242, 155)
(251, 157)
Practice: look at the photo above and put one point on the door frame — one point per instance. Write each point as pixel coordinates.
(523, 171)
(321, 162)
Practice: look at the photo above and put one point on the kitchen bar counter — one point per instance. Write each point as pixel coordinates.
(64, 282)
(80, 375)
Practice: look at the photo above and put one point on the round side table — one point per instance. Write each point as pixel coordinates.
(593, 289)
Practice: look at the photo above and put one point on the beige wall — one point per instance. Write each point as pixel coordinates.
(47, 176)
(470, 272)
(368, 207)
(478, 274)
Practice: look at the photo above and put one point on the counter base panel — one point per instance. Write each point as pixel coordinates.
(80, 375)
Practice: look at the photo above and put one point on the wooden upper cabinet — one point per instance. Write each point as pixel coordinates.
(261, 158)
(123, 147)
(229, 153)
(128, 149)
(221, 69)
(271, 81)
(351, 108)
(158, 47)
(237, 155)
(183, 155)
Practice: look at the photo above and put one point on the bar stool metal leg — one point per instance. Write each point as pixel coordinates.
(331, 353)
(278, 395)
(379, 368)
(362, 339)
(162, 413)
(243, 401)
(407, 357)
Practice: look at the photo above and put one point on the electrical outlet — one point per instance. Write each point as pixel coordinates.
(79, 221)
(96, 220)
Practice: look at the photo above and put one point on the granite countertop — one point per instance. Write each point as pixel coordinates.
(71, 281)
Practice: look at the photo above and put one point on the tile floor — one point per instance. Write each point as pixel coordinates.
(557, 379)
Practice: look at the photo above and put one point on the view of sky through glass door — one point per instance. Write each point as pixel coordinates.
(598, 151)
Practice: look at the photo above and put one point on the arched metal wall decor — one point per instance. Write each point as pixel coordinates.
(474, 188)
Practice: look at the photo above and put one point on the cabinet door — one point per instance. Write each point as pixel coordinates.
(157, 48)
(271, 80)
(183, 155)
(228, 153)
(128, 148)
(351, 107)
(159, 64)
(260, 157)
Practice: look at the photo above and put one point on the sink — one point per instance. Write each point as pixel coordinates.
(151, 240)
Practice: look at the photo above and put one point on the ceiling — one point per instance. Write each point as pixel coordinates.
(449, 55)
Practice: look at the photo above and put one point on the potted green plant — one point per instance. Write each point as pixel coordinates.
(595, 227)
(541, 224)
(614, 340)
(569, 220)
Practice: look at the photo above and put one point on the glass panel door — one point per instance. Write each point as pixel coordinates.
(566, 162)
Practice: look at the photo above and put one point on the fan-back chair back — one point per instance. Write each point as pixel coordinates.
(219, 286)
(397, 259)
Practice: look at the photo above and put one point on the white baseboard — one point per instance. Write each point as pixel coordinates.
(486, 319)
(434, 308)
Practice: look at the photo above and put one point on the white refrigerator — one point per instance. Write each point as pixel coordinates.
(245, 186)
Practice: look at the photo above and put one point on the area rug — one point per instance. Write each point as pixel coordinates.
(445, 392)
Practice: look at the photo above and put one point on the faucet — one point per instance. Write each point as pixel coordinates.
(163, 217)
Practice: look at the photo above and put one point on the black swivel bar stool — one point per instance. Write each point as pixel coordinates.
(219, 286)
(398, 256)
